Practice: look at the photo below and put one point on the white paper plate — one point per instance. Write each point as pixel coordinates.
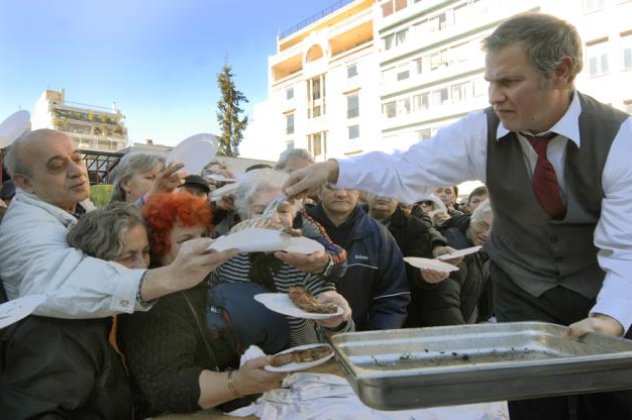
(291, 367)
(13, 127)
(225, 190)
(431, 264)
(16, 309)
(281, 303)
(195, 152)
(265, 240)
(459, 253)
(220, 178)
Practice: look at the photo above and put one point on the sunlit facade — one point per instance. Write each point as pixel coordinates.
(381, 75)
(93, 128)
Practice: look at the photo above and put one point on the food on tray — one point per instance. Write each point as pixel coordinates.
(302, 298)
(301, 356)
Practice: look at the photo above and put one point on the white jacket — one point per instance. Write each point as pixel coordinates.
(36, 259)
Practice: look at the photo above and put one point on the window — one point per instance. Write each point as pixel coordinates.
(627, 52)
(440, 97)
(400, 4)
(420, 102)
(418, 65)
(423, 134)
(597, 57)
(593, 5)
(289, 144)
(389, 109)
(289, 124)
(354, 132)
(403, 106)
(461, 92)
(353, 106)
(395, 40)
(289, 93)
(403, 75)
(387, 8)
(316, 96)
(317, 144)
(352, 71)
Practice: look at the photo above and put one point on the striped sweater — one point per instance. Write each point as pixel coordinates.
(302, 331)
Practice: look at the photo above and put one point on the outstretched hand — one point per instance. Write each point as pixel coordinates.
(168, 179)
(304, 180)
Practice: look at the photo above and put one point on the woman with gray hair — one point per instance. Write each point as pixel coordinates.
(466, 296)
(116, 233)
(135, 175)
(231, 312)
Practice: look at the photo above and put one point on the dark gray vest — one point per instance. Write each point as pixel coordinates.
(536, 252)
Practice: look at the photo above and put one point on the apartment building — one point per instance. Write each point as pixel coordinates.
(94, 128)
(381, 75)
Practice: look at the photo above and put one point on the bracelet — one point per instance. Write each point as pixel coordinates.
(231, 385)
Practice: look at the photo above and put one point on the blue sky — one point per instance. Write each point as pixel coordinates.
(158, 59)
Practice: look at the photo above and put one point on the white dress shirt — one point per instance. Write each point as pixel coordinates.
(458, 153)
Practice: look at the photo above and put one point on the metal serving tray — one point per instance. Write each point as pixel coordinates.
(427, 367)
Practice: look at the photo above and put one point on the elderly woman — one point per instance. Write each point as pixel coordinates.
(175, 366)
(465, 297)
(135, 175)
(67, 368)
(231, 312)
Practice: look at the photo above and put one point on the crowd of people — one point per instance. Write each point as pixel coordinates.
(141, 319)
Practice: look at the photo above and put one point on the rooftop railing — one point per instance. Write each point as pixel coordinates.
(314, 18)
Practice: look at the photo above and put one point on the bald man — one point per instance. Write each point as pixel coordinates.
(35, 258)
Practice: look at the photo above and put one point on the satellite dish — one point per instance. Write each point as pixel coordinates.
(13, 127)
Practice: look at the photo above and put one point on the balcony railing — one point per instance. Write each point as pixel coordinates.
(314, 18)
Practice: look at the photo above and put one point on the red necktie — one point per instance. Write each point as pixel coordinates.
(544, 181)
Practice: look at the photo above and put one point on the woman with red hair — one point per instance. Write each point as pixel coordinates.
(174, 364)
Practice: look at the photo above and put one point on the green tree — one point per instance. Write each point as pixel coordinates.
(228, 111)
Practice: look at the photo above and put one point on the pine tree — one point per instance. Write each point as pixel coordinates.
(228, 111)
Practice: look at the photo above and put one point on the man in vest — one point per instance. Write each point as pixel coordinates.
(555, 163)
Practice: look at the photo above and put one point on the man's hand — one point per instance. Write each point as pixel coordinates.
(168, 180)
(313, 263)
(190, 267)
(433, 276)
(309, 178)
(339, 300)
(597, 323)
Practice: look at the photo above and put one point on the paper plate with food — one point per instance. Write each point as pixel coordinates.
(300, 357)
(430, 264)
(298, 303)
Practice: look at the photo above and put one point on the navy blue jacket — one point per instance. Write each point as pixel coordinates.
(375, 283)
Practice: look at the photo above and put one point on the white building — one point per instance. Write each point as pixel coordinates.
(380, 75)
(93, 128)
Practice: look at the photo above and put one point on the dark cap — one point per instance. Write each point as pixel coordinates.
(197, 181)
(8, 190)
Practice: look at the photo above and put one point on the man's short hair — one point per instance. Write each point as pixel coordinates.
(99, 233)
(546, 40)
(290, 153)
(12, 162)
(477, 192)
